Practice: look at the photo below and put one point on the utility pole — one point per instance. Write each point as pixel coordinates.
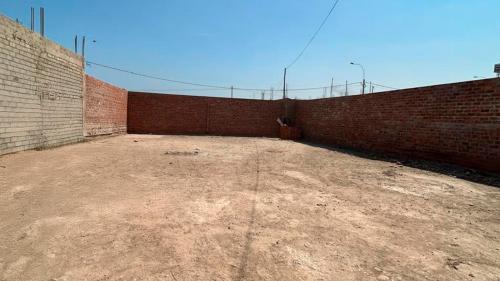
(331, 88)
(83, 47)
(363, 84)
(42, 21)
(370, 88)
(232, 91)
(32, 19)
(271, 96)
(346, 93)
(285, 103)
(284, 84)
(76, 44)
(263, 94)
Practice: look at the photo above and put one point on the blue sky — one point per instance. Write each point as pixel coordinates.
(401, 43)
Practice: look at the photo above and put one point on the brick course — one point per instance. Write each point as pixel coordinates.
(41, 88)
(41, 105)
(457, 123)
(105, 108)
(177, 114)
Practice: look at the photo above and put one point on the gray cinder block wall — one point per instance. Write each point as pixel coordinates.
(41, 91)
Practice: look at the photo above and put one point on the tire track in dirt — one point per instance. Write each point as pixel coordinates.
(248, 235)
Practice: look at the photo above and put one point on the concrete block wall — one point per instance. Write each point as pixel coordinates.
(105, 108)
(456, 123)
(177, 114)
(41, 91)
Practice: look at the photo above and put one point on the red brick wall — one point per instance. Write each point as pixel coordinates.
(105, 108)
(177, 114)
(457, 123)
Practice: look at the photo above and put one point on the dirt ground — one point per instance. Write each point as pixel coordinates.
(140, 207)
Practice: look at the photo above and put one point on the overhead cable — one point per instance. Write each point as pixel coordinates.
(315, 34)
(201, 84)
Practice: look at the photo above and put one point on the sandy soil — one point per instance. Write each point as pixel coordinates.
(141, 207)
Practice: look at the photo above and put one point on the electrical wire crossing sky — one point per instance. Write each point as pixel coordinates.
(335, 3)
(247, 44)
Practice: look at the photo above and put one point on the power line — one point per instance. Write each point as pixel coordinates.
(314, 35)
(157, 78)
(319, 88)
(217, 87)
(212, 87)
(173, 89)
(392, 88)
(245, 89)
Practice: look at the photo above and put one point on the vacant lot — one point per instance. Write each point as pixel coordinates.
(141, 207)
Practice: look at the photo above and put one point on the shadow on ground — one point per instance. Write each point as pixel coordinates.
(451, 170)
